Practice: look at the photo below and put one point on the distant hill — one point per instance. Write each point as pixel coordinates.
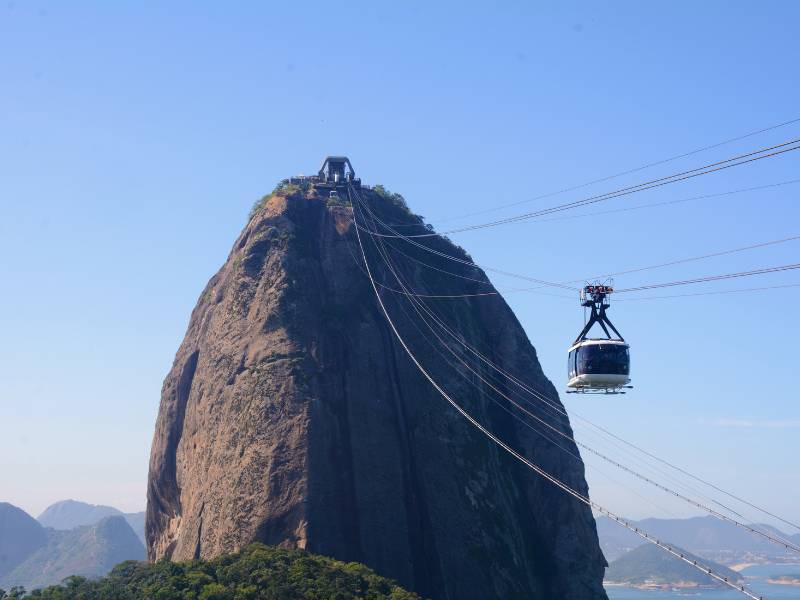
(68, 514)
(702, 535)
(90, 550)
(136, 521)
(615, 540)
(20, 536)
(650, 564)
(258, 572)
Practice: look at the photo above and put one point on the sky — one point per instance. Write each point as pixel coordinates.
(135, 137)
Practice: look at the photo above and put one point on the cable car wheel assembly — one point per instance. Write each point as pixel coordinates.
(598, 365)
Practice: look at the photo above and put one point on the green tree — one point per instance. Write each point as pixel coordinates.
(215, 591)
(257, 573)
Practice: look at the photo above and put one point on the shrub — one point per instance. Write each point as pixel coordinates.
(395, 199)
(257, 573)
(259, 204)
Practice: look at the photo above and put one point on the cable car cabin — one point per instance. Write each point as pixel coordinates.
(599, 365)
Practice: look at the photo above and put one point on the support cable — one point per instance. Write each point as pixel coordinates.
(617, 210)
(729, 163)
(657, 204)
(622, 173)
(714, 293)
(709, 278)
(565, 285)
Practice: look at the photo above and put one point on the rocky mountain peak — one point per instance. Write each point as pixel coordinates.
(291, 416)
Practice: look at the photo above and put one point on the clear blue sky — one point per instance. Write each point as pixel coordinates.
(134, 137)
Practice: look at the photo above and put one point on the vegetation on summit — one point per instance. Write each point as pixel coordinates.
(257, 573)
(286, 188)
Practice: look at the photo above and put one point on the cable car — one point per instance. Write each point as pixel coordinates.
(598, 365)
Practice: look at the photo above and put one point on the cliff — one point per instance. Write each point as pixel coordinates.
(291, 416)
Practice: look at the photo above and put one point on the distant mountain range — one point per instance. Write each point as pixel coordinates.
(78, 538)
(20, 536)
(649, 565)
(70, 538)
(69, 514)
(708, 537)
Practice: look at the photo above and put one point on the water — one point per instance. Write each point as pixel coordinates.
(756, 578)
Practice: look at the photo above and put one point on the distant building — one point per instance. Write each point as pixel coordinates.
(335, 175)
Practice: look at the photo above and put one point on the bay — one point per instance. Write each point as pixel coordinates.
(756, 579)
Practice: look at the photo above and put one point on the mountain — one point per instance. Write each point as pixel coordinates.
(89, 551)
(615, 540)
(293, 417)
(706, 536)
(68, 514)
(257, 572)
(650, 565)
(20, 536)
(136, 521)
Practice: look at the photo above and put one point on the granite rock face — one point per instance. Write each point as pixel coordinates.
(293, 417)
